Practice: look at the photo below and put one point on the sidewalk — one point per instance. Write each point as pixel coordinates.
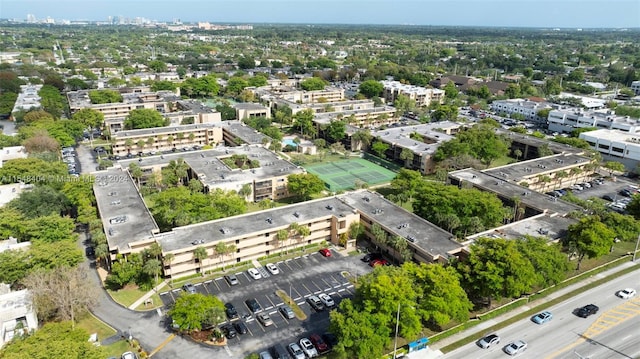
(153, 291)
(434, 348)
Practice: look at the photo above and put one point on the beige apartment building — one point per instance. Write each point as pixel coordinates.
(161, 139)
(421, 95)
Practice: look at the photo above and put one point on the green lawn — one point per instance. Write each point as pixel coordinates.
(116, 349)
(156, 303)
(127, 295)
(94, 325)
(502, 161)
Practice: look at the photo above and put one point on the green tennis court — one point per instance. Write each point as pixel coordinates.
(343, 175)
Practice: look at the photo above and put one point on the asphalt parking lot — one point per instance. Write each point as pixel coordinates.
(610, 188)
(301, 277)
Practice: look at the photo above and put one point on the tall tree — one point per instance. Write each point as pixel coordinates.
(192, 312)
(200, 254)
(371, 88)
(589, 238)
(305, 184)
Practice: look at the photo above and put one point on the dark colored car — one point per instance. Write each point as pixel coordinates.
(231, 311)
(371, 256)
(315, 303)
(253, 305)
(229, 331)
(330, 339)
(90, 252)
(587, 310)
(319, 343)
(240, 327)
(606, 197)
(279, 352)
(626, 193)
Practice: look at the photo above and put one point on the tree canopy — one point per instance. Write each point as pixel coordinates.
(480, 142)
(371, 88)
(104, 96)
(54, 340)
(144, 118)
(589, 238)
(195, 311)
(313, 83)
(305, 184)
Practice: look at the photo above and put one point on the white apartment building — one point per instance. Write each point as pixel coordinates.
(28, 98)
(529, 109)
(635, 86)
(422, 96)
(566, 120)
(615, 145)
(17, 314)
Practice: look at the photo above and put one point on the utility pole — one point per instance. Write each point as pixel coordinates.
(636, 250)
(395, 344)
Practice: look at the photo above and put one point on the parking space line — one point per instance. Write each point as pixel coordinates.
(305, 287)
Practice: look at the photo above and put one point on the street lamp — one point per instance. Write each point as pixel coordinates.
(636, 250)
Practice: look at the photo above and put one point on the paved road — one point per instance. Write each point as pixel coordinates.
(86, 158)
(564, 334)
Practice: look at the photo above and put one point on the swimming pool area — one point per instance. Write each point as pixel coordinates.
(289, 141)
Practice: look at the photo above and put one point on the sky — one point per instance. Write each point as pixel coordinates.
(497, 13)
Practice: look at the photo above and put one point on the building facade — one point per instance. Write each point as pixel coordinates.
(422, 96)
(528, 109)
(567, 120)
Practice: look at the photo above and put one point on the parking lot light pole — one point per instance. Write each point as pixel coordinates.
(395, 343)
(636, 250)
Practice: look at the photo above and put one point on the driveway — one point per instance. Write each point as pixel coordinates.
(87, 159)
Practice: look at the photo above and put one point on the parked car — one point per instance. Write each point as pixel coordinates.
(254, 273)
(326, 300)
(265, 319)
(326, 252)
(315, 303)
(516, 347)
(587, 310)
(626, 293)
(265, 355)
(489, 341)
(286, 311)
(371, 256)
(231, 279)
(606, 197)
(542, 318)
(229, 331)
(625, 192)
(253, 305)
(231, 311)
(189, 288)
(330, 339)
(272, 268)
(319, 343)
(308, 348)
(378, 262)
(240, 327)
(129, 355)
(279, 352)
(296, 351)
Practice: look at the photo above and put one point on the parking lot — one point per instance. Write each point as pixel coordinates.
(300, 278)
(607, 188)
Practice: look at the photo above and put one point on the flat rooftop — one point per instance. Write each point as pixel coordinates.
(246, 224)
(244, 132)
(537, 142)
(124, 215)
(425, 235)
(531, 168)
(551, 227)
(163, 130)
(213, 173)
(508, 190)
(399, 136)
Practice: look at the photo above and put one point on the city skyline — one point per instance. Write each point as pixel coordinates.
(497, 13)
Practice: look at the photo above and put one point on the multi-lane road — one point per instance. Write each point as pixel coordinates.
(614, 332)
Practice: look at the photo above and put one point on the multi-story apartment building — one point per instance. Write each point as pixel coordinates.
(130, 228)
(329, 94)
(422, 96)
(566, 120)
(635, 86)
(421, 140)
(615, 145)
(525, 107)
(28, 99)
(248, 110)
(160, 139)
(368, 117)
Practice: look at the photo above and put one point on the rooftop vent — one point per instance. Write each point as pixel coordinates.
(411, 239)
(197, 241)
(269, 220)
(329, 207)
(225, 230)
(366, 199)
(377, 211)
(116, 202)
(113, 193)
(296, 214)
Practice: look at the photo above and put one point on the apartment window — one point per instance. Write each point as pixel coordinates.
(616, 149)
(604, 147)
(343, 224)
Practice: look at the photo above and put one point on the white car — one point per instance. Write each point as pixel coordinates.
(626, 293)
(129, 355)
(326, 300)
(272, 268)
(515, 348)
(254, 273)
(308, 348)
(295, 350)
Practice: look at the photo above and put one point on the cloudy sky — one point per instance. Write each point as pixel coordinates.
(519, 13)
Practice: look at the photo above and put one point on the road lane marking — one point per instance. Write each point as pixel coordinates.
(165, 342)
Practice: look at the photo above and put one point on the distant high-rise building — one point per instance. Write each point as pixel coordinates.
(31, 18)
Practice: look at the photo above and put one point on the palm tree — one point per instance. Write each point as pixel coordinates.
(128, 143)
(379, 234)
(200, 254)
(245, 191)
(361, 138)
(155, 250)
(101, 252)
(136, 172)
(168, 258)
(302, 232)
(152, 267)
(223, 249)
(282, 235)
(179, 168)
